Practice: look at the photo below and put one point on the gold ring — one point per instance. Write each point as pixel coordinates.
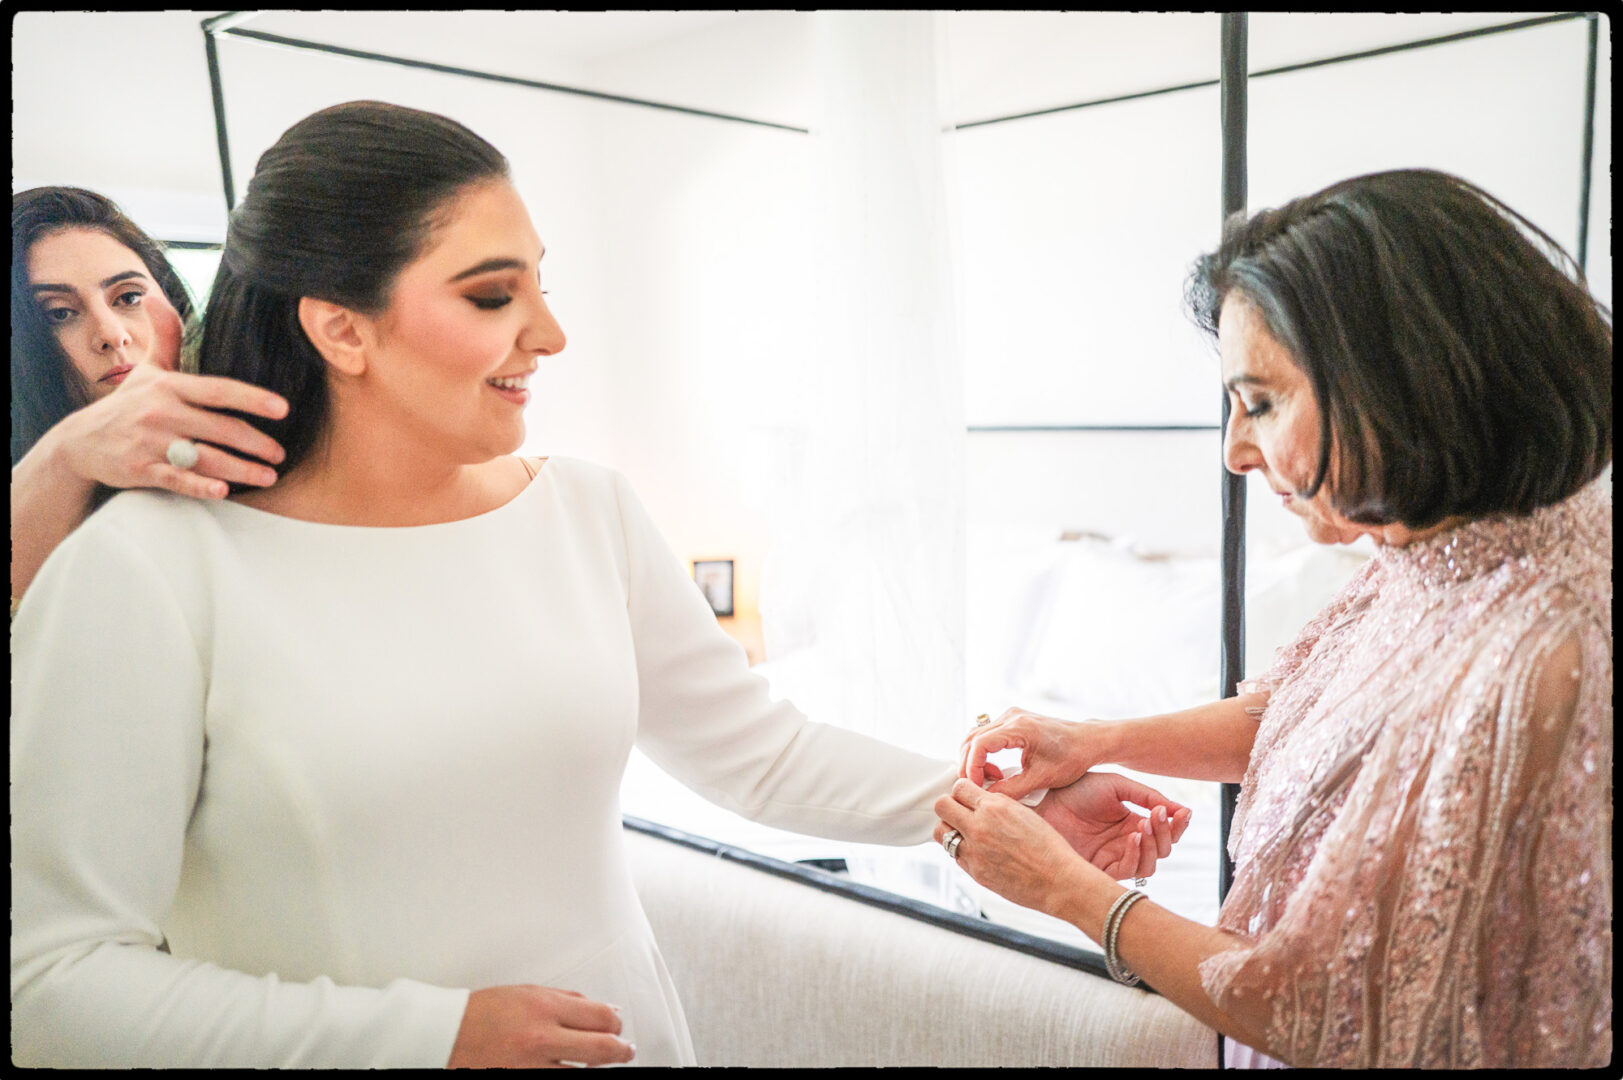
(982, 720)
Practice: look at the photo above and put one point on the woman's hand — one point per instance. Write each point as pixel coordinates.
(122, 440)
(537, 1027)
(1053, 753)
(1006, 846)
(1093, 817)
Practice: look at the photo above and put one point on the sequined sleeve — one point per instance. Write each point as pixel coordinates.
(1456, 911)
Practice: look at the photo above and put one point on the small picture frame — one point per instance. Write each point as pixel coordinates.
(715, 579)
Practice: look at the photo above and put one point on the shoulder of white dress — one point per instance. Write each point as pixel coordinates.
(147, 512)
(601, 480)
(167, 527)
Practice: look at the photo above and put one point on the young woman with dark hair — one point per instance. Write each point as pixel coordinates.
(96, 308)
(342, 786)
(1423, 835)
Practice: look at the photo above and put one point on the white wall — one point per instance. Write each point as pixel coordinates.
(676, 244)
(156, 132)
(1007, 62)
(1079, 226)
(1505, 111)
(703, 236)
(675, 241)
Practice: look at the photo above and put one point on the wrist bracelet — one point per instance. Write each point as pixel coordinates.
(1118, 911)
(1113, 918)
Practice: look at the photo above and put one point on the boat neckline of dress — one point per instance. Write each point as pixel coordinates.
(541, 473)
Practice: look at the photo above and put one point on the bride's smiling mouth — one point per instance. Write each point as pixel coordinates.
(514, 388)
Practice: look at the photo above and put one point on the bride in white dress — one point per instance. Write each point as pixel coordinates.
(327, 773)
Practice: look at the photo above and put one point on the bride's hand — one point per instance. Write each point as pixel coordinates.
(537, 1027)
(1093, 816)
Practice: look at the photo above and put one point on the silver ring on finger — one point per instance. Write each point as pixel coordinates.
(182, 453)
(1139, 883)
(950, 842)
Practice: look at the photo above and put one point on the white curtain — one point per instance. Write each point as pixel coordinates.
(862, 596)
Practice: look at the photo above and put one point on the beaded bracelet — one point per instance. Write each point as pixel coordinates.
(1118, 911)
(1113, 918)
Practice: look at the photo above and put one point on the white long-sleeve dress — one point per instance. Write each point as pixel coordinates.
(351, 774)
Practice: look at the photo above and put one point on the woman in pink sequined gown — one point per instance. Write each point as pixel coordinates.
(1423, 835)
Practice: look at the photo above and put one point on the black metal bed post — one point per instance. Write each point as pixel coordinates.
(1231, 657)
(219, 119)
(227, 22)
(1593, 19)
(1363, 54)
(211, 26)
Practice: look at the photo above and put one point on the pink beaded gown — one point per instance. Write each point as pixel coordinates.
(1423, 837)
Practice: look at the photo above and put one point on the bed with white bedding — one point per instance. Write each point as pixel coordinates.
(1086, 596)
(1074, 624)
(776, 972)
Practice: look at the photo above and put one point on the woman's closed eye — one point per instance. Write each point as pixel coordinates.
(494, 302)
(1259, 408)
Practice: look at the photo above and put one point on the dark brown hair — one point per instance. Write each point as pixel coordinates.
(342, 202)
(1463, 371)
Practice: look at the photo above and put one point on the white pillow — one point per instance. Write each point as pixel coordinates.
(1124, 635)
(1129, 635)
(1009, 581)
(1283, 593)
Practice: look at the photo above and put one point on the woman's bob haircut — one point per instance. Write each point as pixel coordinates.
(1462, 368)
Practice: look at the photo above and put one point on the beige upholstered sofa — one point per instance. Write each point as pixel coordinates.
(775, 972)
